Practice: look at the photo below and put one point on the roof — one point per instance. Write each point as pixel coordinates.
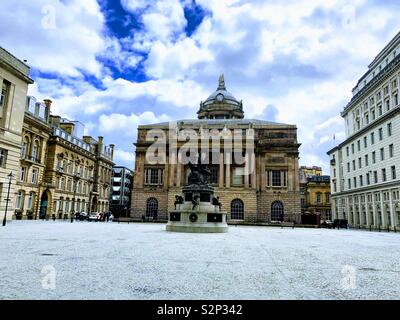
(216, 122)
(228, 97)
(20, 68)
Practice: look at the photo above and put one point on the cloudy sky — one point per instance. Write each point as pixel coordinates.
(114, 64)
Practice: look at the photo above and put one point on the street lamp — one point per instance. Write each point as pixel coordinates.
(10, 176)
(76, 179)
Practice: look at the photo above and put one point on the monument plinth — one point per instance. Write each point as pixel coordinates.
(198, 210)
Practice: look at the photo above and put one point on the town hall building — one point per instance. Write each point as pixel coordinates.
(269, 193)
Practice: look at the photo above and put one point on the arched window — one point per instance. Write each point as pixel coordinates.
(151, 207)
(237, 209)
(277, 211)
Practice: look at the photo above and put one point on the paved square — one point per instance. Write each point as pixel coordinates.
(142, 261)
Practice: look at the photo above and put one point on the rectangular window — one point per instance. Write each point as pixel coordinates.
(347, 151)
(368, 179)
(374, 157)
(391, 151)
(358, 145)
(380, 131)
(387, 103)
(395, 100)
(361, 181)
(34, 176)
(365, 142)
(354, 165)
(22, 174)
(349, 183)
(372, 138)
(4, 95)
(238, 176)
(382, 154)
(393, 170)
(366, 160)
(214, 177)
(348, 166)
(389, 129)
(3, 158)
(355, 182)
(154, 176)
(318, 197)
(352, 148)
(375, 176)
(276, 178)
(379, 109)
(359, 163)
(328, 197)
(383, 175)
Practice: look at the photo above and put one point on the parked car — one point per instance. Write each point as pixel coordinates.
(94, 216)
(326, 224)
(83, 216)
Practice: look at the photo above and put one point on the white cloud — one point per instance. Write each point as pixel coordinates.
(66, 49)
(121, 156)
(127, 125)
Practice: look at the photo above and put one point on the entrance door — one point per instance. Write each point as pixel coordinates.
(44, 201)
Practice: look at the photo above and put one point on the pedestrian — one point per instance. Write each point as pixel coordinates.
(108, 216)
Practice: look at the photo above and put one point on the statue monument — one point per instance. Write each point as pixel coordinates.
(198, 210)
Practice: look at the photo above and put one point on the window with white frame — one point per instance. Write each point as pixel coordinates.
(23, 173)
(19, 200)
(34, 176)
(154, 176)
(238, 176)
(30, 200)
(3, 158)
(4, 95)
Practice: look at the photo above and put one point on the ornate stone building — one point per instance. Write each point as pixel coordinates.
(35, 136)
(318, 196)
(61, 171)
(14, 81)
(365, 168)
(265, 194)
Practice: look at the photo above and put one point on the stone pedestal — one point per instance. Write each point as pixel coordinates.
(199, 216)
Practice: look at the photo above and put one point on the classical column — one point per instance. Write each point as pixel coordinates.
(263, 174)
(254, 171)
(179, 175)
(221, 170)
(367, 222)
(171, 174)
(166, 174)
(247, 171)
(392, 220)
(228, 170)
(383, 216)
(348, 209)
(375, 222)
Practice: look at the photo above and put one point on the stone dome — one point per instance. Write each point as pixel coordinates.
(221, 104)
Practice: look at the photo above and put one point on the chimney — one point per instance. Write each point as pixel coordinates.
(100, 144)
(112, 146)
(47, 103)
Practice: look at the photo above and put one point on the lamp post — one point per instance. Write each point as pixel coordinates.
(76, 179)
(10, 176)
